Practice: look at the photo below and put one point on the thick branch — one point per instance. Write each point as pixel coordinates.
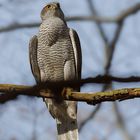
(99, 79)
(95, 98)
(117, 19)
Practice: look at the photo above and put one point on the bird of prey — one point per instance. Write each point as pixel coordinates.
(55, 55)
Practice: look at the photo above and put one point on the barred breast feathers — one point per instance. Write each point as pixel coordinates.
(54, 48)
(51, 29)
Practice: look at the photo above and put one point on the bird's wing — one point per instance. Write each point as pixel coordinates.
(77, 51)
(33, 58)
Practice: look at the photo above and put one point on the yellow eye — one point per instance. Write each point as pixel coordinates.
(48, 6)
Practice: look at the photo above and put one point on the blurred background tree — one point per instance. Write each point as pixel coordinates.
(107, 47)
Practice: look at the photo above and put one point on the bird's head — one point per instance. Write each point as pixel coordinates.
(52, 10)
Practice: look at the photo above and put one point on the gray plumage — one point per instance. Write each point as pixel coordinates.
(55, 52)
(55, 55)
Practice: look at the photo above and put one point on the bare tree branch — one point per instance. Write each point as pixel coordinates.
(105, 79)
(99, 79)
(117, 19)
(68, 94)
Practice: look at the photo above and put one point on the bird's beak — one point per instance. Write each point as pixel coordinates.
(57, 5)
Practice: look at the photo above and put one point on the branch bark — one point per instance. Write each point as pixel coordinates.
(68, 94)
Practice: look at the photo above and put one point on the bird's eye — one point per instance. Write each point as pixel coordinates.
(48, 6)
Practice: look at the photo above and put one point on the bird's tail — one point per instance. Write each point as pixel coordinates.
(65, 114)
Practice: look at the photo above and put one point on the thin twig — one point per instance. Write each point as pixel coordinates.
(113, 45)
(121, 123)
(19, 26)
(98, 24)
(124, 14)
(106, 79)
(93, 113)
